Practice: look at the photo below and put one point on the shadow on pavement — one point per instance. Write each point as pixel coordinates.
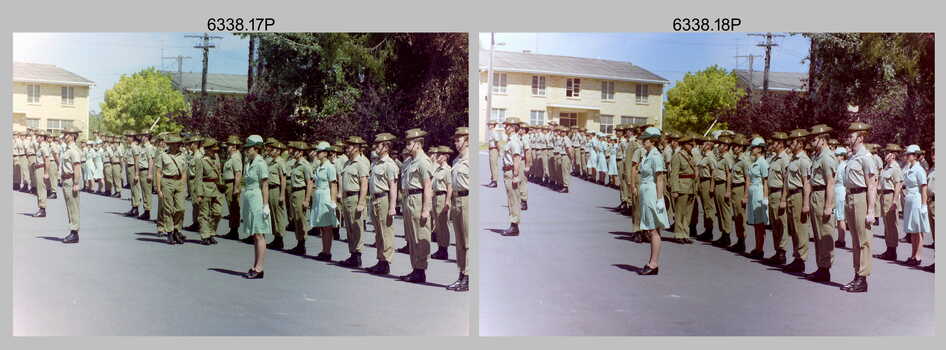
(227, 272)
(153, 240)
(828, 283)
(398, 278)
(627, 267)
(51, 238)
(149, 234)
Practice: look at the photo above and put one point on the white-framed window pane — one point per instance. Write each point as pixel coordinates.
(32, 93)
(626, 119)
(573, 87)
(538, 85)
(642, 93)
(32, 123)
(537, 117)
(607, 90)
(499, 83)
(568, 119)
(498, 115)
(607, 123)
(68, 95)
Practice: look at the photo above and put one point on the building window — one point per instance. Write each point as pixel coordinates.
(573, 87)
(568, 119)
(498, 115)
(499, 83)
(642, 94)
(32, 123)
(32, 94)
(626, 119)
(607, 123)
(538, 85)
(58, 124)
(537, 118)
(68, 95)
(607, 90)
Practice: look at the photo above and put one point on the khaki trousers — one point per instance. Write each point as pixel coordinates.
(684, 212)
(418, 234)
(117, 178)
(460, 214)
(777, 218)
(53, 176)
(135, 187)
(724, 207)
(566, 170)
(173, 203)
(383, 229)
(109, 181)
(622, 180)
(855, 215)
(824, 228)
(30, 160)
(299, 224)
(524, 186)
(72, 203)
(145, 191)
(210, 206)
(798, 226)
(739, 210)
(16, 171)
(441, 219)
(709, 203)
(40, 185)
(277, 208)
(233, 205)
(545, 163)
(892, 225)
(512, 197)
(354, 222)
(493, 164)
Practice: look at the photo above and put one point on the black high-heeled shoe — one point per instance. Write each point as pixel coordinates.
(253, 274)
(647, 271)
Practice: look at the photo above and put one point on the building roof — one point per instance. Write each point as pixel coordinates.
(508, 61)
(216, 83)
(46, 73)
(786, 81)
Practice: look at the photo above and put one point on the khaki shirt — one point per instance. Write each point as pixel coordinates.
(723, 166)
(351, 175)
(233, 165)
(707, 164)
(145, 154)
(130, 153)
(171, 165)
(798, 170)
(823, 168)
(193, 162)
(299, 174)
(741, 168)
(420, 169)
(441, 175)
(70, 158)
(890, 176)
(339, 164)
(207, 169)
(682, 164)
(858, 168)
(384, 171)
(777, 169)
(461, 174)
(277, 167)
(512, 147)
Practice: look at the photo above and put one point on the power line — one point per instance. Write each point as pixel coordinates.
(206, 46)
(768, 44)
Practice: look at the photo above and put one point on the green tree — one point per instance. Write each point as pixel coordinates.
(694, 103)
(136, 101)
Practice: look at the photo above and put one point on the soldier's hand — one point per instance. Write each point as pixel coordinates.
(674, 195)
(805, 209)
(45, 176)
(424, 216)
(870, 217)
(781, 204)
(361, 207)
(75, 188)
(744, 200)
(828, 211)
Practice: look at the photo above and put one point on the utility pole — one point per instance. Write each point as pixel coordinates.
(751, 59)
(206, 46)
(768, 44)
(180, 68)
(489, 78)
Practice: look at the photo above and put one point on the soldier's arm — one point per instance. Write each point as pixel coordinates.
(829, 185)
(151, 167)
(871, 195)
(199, 176)
(282, 182)
(806, 191)
(450, 196)
(362, 191)
(157, 181)
(392, 196)
(428, 197)
(237, 180)
(308, 189)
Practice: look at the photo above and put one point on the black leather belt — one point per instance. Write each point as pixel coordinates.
(352, 193)
(228, 181)
(719, 182)
(775, 189)
(705, 179)
(738, 185)
(413, 192)
(178, 177)
(294, 189)
(857, 190)
(461, 193)
(791, 192)
(886, 191)
(271, 186)
(818, 188)
(379, 195)
(439, 193)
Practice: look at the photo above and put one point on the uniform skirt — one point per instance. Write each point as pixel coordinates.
(87, 168)
(756, 211)
(97, 172)
(252, 218)
(592, 160)
(602, 165)
(913, 220)
(612, 165)
(322, 213)
(839, 194)
(651, 216)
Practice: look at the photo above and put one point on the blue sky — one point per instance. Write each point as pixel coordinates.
(670, 55)
(104, 57)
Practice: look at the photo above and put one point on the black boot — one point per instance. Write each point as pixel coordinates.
(179, 237)
(146, 215)
(820, 275)
(73, 237)
(231, 235)
(525, 205)
(406, 249)
(323, 257)
(839, 244)
(513, 230)
(416, 276)
(889, 254)
(723, 241)
(796, 266)
(192, 227)
(492, 184)
(441, 254)
(461, 285)
(41, 213)
(739, 247)
(756, 254)
(776, 259)
(858, 285)
(649, 271)
(299, 249)
(52, 195)
(353, 261)
(381, 268)
(132, 212)
(275, 244)
(172, 239)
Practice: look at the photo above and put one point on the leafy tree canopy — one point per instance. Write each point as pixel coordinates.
(693, 103)
(136, 101)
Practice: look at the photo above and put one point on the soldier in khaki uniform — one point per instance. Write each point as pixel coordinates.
(778, 195)
(384, 188)
(418, 199)
(299, 183)
(193, 157)
(71, 165)
(512, 166)
(740, 171)
(442, 187)
(460, 205)
(683, 188)
(144, 162)
(131, 172)
(232, 179)
(860, 175)
(493, 139)
(564, 160)
(722, 182)
(206, 192)
(889, 187)
(108, 151)
(41, 160)
(340, 160)
(823, 223)
(159, 150)
(524, 189)
(278, 190)
(354, 193)
(172, 169)
(705, 171)
(798, 174)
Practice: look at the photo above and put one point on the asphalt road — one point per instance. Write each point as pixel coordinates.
(572, 271)
(121, 279)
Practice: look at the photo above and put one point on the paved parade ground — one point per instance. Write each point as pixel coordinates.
(121, 279)
(573, 271)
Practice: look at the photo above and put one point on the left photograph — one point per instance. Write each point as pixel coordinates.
(284, 184)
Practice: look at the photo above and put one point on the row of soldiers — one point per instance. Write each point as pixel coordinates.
(313, 188)
(712, 173)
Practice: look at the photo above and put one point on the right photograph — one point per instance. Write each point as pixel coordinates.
(706, 184)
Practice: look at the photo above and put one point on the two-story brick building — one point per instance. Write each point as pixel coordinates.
(49, 97)
(593, 94)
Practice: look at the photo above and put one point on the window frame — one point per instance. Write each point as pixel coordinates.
(572, 117)
(500, 82)
(634, 120)
(532, 115)
(67, 95)
(32, 97)
(539, 85)
(607, 90)
(641, 94)
(573, 87)
(36, 120)
(607, 128)
(492, 115)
